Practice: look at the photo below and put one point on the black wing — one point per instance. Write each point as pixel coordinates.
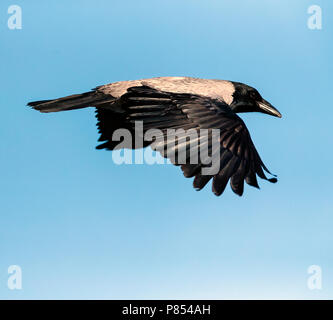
(239, 160)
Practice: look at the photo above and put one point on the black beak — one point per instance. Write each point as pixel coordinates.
(266, 107)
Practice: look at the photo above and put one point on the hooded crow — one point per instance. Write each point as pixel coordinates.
(186, 103)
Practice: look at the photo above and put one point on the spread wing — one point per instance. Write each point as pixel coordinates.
(238, 159)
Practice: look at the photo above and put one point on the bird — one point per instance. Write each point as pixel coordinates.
(165, 103)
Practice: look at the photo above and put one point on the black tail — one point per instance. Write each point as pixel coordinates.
(76, 101)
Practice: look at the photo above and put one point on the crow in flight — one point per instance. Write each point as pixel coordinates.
(180, 103)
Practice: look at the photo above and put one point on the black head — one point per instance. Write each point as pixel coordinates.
(248, 99)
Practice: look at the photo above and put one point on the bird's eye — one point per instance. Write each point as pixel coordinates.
(253, 94)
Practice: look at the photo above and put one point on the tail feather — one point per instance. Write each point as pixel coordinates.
(76, 101)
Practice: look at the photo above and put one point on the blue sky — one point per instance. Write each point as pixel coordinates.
(80, 226)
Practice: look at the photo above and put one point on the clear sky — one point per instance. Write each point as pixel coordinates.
(80, 226)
